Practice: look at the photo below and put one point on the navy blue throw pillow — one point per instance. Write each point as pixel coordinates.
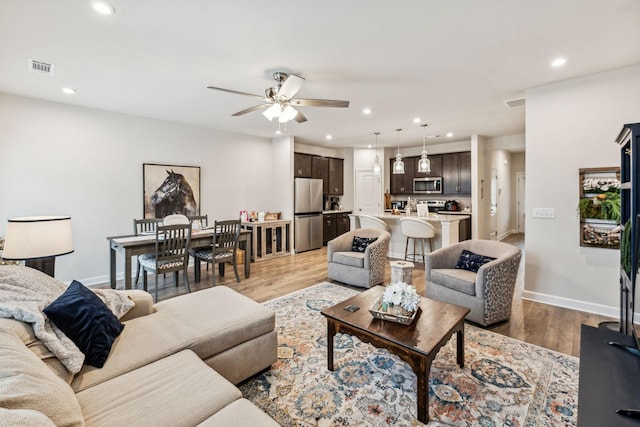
(87, 321)
(472, 261)
(360, 243)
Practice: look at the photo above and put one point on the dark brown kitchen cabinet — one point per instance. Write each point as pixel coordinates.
(336, 177)
(329, 228)
(302, 165)
(456, 173)
(436, 166)
(320, 170)
(342, 225)
(403, 183)
(464, 230)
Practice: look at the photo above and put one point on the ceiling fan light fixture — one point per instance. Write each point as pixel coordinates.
(398, 165)
(289, 113)
(272, 112)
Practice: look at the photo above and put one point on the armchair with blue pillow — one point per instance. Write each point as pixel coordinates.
(478, 274)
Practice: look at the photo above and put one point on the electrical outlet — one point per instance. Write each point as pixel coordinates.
(545, 213)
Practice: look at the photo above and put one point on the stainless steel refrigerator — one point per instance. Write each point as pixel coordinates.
(308, 214)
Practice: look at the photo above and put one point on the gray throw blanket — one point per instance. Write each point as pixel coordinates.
(25, 292)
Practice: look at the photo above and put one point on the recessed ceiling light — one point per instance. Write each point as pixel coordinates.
(416, 120)
(103, 8)
(328, 137)
(367, 111)
(369, 146)
(558, 62)
(68, 90)
(449, 135)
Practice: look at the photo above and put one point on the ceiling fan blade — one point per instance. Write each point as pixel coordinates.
(300, 118)
(291, 86)
(235, 91)
(248, 110)
(320, 103)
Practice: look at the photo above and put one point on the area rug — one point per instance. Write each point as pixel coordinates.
(505, 382)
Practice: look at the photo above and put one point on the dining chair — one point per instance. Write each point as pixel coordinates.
(171, 254)
(175, 219)
(203, 219)
(144, 226)
(223, 249)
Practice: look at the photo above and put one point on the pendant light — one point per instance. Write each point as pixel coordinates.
(424, 164)
(398, 165)
(376, 164)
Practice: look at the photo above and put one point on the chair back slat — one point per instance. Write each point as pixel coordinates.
(204, 219)
(226, 235)
(146, 225)
(172, 243)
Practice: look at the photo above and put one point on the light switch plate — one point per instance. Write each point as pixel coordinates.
(545, 213)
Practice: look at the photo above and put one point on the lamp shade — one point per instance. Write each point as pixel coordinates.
(38, 237)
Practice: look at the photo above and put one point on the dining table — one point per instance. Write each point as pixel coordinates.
(133, 245)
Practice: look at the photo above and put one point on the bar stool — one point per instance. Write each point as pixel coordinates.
(368, 221)
(417, 229)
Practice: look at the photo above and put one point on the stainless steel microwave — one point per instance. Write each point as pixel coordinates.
(428, 185)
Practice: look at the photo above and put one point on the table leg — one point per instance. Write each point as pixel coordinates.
(127, 270)
(112, 267)
(247, 257)
(421, 367)
(460, 345)
(196, 269)
(331, 332)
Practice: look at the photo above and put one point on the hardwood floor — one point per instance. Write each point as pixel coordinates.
(548, 326)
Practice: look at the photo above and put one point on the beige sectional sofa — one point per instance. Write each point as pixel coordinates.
(174, 364)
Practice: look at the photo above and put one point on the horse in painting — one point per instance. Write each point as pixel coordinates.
(174, 196)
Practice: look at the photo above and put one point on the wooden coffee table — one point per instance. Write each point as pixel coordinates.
(417, 344)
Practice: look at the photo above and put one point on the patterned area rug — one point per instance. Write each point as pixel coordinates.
(505, 382)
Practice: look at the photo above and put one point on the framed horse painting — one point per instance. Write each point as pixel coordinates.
(170, 189)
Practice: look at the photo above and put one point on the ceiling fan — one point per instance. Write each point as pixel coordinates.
(279, 101)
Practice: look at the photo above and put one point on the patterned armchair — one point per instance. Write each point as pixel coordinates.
(488, 293)
(364, 269)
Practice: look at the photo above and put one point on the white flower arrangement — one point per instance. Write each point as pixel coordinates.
(401, 294)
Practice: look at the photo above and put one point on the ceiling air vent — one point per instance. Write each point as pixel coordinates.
(40, 67)
(512, 103)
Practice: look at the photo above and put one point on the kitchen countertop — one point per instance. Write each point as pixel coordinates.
(337, 211)
(432, 216)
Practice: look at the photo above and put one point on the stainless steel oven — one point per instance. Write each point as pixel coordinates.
(428, 185)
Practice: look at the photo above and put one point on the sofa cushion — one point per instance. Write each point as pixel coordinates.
(353, 259)
(240, 413)
(208, 322)
(456, 279)
(24, 418)
(178, 390)
(360, 243)
(27, 383)
(84, 318)
(471, 261)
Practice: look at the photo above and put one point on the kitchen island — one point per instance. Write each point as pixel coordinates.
(447, 230)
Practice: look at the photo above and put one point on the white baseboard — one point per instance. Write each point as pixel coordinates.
(573, 304)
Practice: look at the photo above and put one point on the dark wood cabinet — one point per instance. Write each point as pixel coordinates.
(436, 166)
(302, 165)
(403, 183)
(334, 224)
(320, 170)
(456, 173)
(336, 177)
(464, 230)
(328, 228)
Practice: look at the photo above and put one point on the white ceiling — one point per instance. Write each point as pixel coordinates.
(452, 63)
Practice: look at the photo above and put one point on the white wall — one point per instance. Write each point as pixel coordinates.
(501, 163)
(571, 125)
(61, 159)
(517, 165)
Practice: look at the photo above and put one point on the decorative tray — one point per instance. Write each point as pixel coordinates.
(393, 314)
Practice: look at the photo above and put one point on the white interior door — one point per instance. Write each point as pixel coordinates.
(520, 210)
(368, 200)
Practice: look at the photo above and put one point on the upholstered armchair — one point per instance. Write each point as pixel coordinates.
(364, 269)
(487, 292)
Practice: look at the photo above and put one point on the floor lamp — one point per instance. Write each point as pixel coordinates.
(38, 240)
